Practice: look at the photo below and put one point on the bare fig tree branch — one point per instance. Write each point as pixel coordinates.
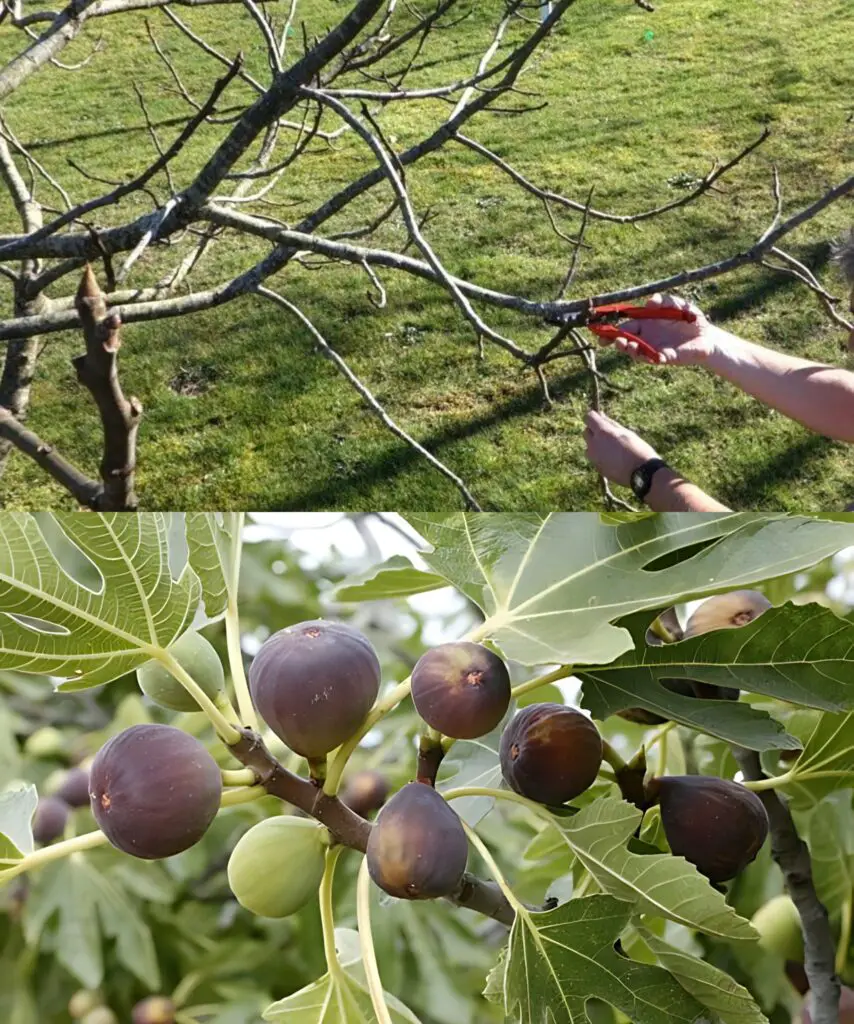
(82, 488)
(300, 97)
(97, 370)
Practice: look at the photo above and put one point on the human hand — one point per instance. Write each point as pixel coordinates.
(614, 450)
(677, 341)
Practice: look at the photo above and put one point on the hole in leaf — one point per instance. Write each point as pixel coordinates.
(70, 558)
(38, 625)
(672, 558)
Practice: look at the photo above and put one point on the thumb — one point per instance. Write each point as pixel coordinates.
(595, 420)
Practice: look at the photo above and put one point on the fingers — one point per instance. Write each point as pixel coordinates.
(594, 423)
(631, 348)
(672, 301)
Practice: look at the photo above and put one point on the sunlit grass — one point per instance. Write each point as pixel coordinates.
(274, 426)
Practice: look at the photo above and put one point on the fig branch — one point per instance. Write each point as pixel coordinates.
(792, 856)
(347, 828)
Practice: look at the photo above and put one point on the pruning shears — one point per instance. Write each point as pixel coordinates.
(601, 320)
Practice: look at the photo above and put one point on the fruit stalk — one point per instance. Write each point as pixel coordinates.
(629, 775)
(342, 756)
(227, 732)
(238, 777)
(430, 755)
(57, 851)
(792, 856)
(327, 918)
(534, 684)
(366, 939)
(232, 634)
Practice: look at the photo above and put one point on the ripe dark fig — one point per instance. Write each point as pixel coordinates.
(417, 850)
(550, 753)
(717, 825)
(74, 789)
(461, 689)
(277, 865)
(640, 716)
(365, 792)
(193, 653)
(154, 790)
(313, 684)
(154, 1010)
(726, 611)
(50, 819)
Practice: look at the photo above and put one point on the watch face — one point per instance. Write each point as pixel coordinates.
(638, 480)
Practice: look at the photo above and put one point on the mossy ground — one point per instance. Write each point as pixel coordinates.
(241, 412)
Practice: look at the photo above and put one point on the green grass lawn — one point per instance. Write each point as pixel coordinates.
(274, 426)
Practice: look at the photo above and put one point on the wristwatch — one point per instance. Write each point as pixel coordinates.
(641, 478)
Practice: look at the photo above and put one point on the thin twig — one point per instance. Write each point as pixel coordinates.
(794, 268)
(573, 266)
(611, 500)
(705, 185)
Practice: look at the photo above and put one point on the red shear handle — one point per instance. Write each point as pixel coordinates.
(610, 332)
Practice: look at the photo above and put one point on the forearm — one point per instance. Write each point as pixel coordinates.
(672, 493)
(821, 397)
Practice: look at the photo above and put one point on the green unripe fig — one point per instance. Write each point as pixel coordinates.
(461, 689)
(82, 1002)
(779, 925)
(154, 1010)
(276, 866)
(46, 742)
(193, 653)
(550, 753)
(417, 850)
(100, 1015)
(717, 825)
(313, 684)
(154, 790)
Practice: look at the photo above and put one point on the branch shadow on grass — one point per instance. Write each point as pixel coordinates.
(756, 489)
(769, 283)
(340, 492)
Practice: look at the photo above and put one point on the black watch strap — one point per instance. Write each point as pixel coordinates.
(641, 480)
